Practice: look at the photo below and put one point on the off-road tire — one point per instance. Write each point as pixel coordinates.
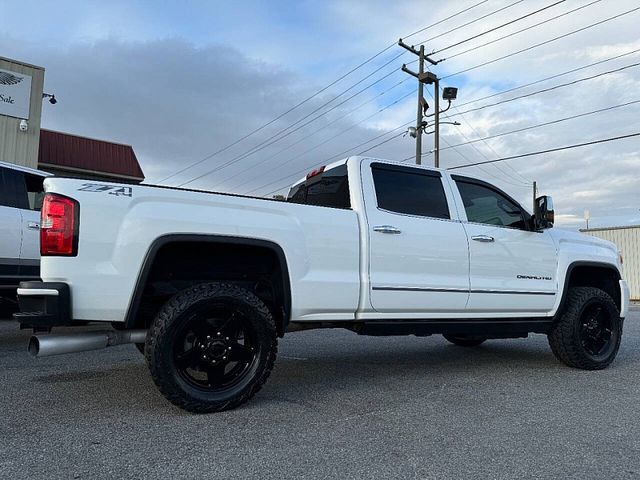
(565, 337)
(464, 340)
(164, 328)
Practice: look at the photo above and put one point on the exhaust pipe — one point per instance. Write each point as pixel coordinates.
(48, 345)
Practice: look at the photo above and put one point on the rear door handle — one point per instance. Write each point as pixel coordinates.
(33, 226)
(387, 229)
(482, 238)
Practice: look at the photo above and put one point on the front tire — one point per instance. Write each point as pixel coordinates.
(464, 340)
(588, 333)
(211, 347)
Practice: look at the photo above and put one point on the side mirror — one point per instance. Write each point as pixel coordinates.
(544, 214)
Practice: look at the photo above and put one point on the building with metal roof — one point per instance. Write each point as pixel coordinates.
(69, 155)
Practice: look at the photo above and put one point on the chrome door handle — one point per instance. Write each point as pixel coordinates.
(386, 229)
(482, 238)
(33, 226)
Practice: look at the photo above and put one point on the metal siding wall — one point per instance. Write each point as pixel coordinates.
(16, 146)
(628, 241)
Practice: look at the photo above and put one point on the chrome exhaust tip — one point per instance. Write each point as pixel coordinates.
(59, 344)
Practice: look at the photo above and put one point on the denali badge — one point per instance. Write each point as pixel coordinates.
(533, 277)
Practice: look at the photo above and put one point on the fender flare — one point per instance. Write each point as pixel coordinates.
(581, 263)
(163, 240)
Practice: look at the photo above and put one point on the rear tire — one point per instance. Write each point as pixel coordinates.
(211, 347)
(588, 333)
(465, 340)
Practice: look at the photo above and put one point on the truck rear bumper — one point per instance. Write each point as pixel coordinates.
(624, 298)
(43, 305)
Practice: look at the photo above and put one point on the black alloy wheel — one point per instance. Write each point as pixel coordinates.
(596, 329)
(211, 347)
(588, 332)
(216, 350)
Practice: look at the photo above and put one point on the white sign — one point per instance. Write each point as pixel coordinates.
(15, 94)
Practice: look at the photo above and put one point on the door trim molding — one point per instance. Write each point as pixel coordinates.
(459, 290)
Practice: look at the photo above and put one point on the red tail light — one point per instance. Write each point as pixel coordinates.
(59, 226)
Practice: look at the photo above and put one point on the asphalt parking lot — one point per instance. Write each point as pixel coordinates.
(336, 406)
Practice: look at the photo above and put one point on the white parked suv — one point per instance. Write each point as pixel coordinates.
(21, 194)
(205, 283)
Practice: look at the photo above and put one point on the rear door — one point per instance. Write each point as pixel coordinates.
(418, 252)
(512, 268)
(10, 230)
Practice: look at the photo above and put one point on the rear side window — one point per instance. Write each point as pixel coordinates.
(327, 189)
(410, 190)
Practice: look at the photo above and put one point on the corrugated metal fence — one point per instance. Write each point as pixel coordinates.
(628, 241)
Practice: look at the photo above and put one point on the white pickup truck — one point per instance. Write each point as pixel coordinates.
(21, 195)
(205, 283)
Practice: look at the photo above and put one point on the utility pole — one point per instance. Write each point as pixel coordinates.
(420, 106)
(535, 195)
(436, 139)
(423, 77)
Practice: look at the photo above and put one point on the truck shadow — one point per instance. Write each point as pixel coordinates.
(332, 372)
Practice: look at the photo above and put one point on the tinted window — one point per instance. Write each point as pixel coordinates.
(35, 191)
(485, 205)
(4, 197)
(14, 191)
(410, 190)
(328, 189)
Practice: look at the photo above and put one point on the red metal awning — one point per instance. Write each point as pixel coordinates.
(87, 154)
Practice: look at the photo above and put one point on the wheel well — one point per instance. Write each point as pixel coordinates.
(179, 263)
(603, 277)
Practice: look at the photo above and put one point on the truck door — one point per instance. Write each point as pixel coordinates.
(418, 251)
(512, 269)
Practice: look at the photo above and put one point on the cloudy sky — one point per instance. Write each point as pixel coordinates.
(182, 81)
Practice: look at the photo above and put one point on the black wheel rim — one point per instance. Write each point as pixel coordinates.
(596, 329)
(216, 350)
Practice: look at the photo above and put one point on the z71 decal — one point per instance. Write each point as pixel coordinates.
(110, 189)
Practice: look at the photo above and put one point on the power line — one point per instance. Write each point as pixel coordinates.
(550, 150)
(262, 127)
(511, 22)
(487, 172)
(469, 23)
(443, 20)
(381, 143)
(573, 70)
(315, 147)
(549, 89)
(497, 167)
(327, 160)
(318, 92)
(271, 140)
(541, 43)
(538, 125)
(519, 31)
(555, 87)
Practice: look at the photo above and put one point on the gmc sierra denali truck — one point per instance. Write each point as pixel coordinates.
(205, 283)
